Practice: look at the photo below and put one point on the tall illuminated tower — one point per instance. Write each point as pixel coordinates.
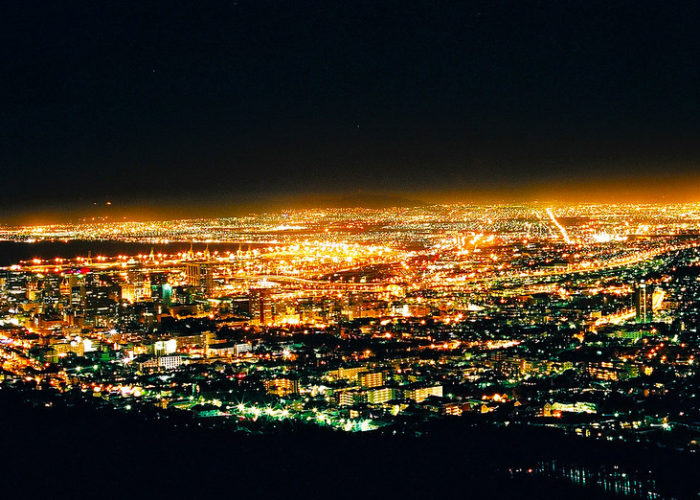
(643, 302)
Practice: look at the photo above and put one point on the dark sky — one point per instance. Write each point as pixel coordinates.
(233, 101)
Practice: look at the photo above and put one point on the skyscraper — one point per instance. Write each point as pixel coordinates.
(199, 275)
(643, 304)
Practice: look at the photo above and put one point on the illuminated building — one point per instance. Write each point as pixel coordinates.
(282, 386)
(161, 290)
(643, 304)
(100, 300)
(578, 407)
(136, 289)
(421, 393)
(374, 379)
(261, 310)
(200, 276)
(163, 362)
(453, 409)
(347, 373)
(348, 398)
(228, 349)
(196, 341)
(379, 395)
(51, 293)
(165, 347)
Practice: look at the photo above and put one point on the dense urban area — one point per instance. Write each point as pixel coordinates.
(578, 318)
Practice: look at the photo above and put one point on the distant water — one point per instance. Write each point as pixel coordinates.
(12, 252)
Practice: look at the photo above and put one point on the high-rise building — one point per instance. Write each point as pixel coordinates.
(643, 302)
(261, 310)
(161, 290)
(100, 300)
(50, 291)
(200, 276)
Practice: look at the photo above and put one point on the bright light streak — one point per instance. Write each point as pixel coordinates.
(564, 234)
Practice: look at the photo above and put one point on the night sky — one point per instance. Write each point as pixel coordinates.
(179, 103)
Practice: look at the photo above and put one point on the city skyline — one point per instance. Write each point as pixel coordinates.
(565, 334)
(350, 249)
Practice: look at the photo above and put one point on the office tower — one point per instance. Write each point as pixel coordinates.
(643, 307)
(200, 276)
